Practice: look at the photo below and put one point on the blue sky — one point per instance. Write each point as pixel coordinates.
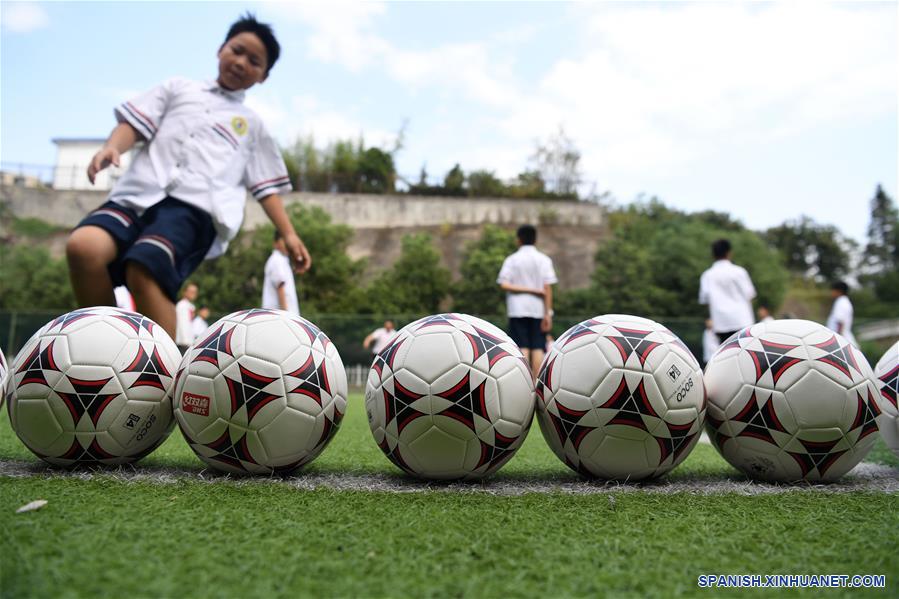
(767, 111)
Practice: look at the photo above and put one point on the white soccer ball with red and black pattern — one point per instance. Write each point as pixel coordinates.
(887, 374)
(263, 391)
(791, 400)
(451, 397)
(4, 373)
(91, 387)
(620, 397)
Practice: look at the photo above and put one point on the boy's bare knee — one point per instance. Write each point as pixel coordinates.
(90, 246)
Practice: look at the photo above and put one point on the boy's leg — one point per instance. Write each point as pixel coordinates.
(89, 251)
(149, 297)
(536, 359)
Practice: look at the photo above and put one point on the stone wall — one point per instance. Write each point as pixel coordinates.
(568, 231)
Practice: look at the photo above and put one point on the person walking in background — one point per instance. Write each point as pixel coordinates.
(763, 313)
(728, 291)
(527, 277)
(279, 290)
(841, 313)
(380, 338)
(200, 322)
(184, 317)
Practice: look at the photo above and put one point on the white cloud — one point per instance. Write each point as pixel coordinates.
(304, 114)
(22, 17)
(649, 87)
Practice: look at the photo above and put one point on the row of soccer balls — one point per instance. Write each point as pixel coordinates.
(618, 397)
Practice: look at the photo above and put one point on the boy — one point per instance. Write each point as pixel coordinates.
(184, 317)
(182, 199)
(279, 290)
(200, 322)
(728, 291)
(527, 277)
(380, 338)
(841, 313)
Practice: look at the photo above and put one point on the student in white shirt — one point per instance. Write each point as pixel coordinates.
(728, 291)
(184, 317)
(380, 338)
(763, 313)
(182, 199)
(200, 322)
(527, 277)
(841, 313)
(279, 291)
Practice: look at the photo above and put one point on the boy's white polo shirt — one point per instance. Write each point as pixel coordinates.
(205, 148)
(728, 291)
(841, 313)
(528, 267)
(277, 273)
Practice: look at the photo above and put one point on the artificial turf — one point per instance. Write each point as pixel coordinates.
(104, 536)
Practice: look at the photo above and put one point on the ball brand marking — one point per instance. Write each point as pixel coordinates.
(195, 404)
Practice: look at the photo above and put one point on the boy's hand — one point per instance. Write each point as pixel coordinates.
(106, 156)
(298, 253)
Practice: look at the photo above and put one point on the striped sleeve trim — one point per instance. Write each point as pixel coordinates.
(144, 123)
(264, 188)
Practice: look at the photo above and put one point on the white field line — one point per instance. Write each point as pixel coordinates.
(864, 477)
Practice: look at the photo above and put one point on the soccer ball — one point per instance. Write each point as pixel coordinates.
(91, 387)
(620, 397)
(451, 397)
(791, 400)
(887, 375)
(4, 372)
(262, 392)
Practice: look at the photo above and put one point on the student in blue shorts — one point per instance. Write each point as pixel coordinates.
(182, 199)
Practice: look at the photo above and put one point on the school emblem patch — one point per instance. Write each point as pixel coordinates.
(239, 124)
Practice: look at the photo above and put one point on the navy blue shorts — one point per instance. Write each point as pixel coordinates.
(526, 333)
(170, 239)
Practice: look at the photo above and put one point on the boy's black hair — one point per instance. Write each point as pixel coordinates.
(277, 235)
(840, 286)
(720, 249)
(248, 24)
(527, 234)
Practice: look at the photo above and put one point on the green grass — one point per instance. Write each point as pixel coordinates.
(106, 537)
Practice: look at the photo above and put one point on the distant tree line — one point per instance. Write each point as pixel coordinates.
(348, 166)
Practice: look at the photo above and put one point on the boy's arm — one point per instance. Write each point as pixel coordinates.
(282, 297)
(122, 139)
(510, 288)
(296, 249)
(547, 323)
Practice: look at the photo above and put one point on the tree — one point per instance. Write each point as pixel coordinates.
(376, 171)
(234, 281)
(882, 251)
(454, 182)
(558, 162)
(476, 291)
(810, 249)
(415, 284)
(652, 264)
(484, 184)
(34, 280)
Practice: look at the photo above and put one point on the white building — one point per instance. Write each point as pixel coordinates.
(73, 155)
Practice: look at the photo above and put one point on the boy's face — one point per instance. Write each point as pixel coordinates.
(242, 62)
